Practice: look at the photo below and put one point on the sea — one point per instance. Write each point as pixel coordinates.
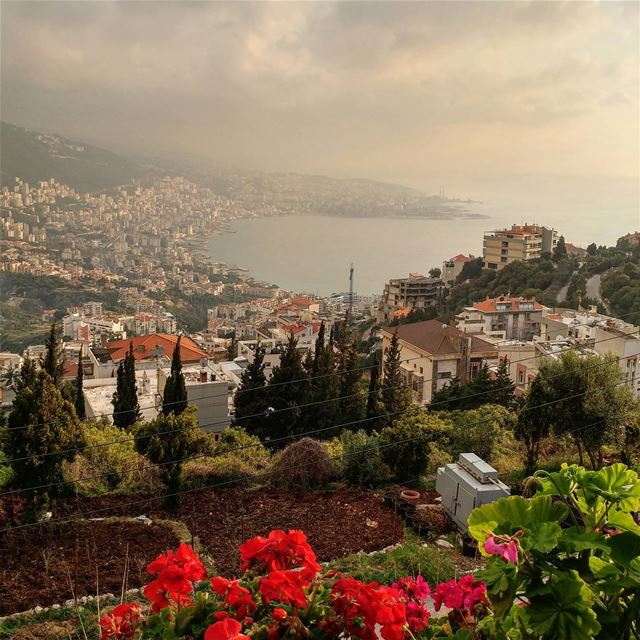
(314, 253)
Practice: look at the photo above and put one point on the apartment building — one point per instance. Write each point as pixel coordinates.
(452, 268)
(415, 292)
(521, 242)
(432, 354)
(504, 318)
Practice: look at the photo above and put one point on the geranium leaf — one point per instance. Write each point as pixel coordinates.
(576, 539)
(625, 548)
(544, 536)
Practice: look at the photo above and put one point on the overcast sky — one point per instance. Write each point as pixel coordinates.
(352, 88)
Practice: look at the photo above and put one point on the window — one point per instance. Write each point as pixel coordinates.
(444, 375)
(503, 258)
(520, 377)
(492, 265)
(421, 371)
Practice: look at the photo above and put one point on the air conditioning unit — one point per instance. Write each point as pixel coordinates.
(467, 484)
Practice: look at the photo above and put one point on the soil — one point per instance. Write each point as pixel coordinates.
(337, 523)
(39, 565)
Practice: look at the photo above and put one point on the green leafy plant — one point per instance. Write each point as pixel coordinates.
(564, 564)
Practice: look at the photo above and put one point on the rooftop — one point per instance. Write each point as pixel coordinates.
(149, 346)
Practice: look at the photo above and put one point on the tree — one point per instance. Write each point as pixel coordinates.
(232, 349)
(52, 359)
(396, 396)
(251, 399)
(43, 431)
(351, 406)
(322, 390)
(375, 406)
(405, 444)
(435, 272)
(504, 388)
(457, 396)
(26, 376)
(174, 398)
(560, 250)
(285, 393)
(592, 249)
(126, 408)
(167, 441)
(587, 401)
(80, 411)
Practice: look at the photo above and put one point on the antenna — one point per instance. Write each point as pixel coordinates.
(351, 291)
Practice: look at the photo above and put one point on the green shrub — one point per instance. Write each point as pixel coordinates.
(405, 444)
(117, 467)
(5, 471)
(363, 464)
(304, 464)
(237, 442)
(228, 471)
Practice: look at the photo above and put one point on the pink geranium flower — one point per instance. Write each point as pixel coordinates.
(503, 546)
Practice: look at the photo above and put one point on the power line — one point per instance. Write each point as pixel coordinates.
(263, 414)
(336, 373)
(226, 482)
(284, 438)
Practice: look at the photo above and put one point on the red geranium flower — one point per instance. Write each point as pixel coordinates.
(121, 622)
(235, 595)
(227, 629)
(284, 586)
(280, 551)
(185, 558)
(279, 614)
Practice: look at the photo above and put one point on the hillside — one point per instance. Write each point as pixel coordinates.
(35, 156)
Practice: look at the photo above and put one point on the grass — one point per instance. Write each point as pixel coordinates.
(412, 558)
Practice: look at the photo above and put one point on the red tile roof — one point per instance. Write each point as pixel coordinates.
(401, 313)
(489, 305)
(438, 339)
(144, 346)
(461, 258)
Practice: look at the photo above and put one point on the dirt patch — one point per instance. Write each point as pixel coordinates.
(39, 564)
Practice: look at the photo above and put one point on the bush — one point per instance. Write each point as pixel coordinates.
(236, 442)
(100, 469)
(228, 470)
(303, 465)
(405, 444)
(363, 464)
(335, 451)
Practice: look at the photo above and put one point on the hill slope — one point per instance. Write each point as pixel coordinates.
(35, 156)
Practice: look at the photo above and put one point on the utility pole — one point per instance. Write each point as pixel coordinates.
(351, 291)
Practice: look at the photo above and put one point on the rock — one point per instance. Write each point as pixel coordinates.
(445, 544)
(55, 607)
(38, 609)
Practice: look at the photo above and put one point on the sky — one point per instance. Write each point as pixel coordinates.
(386, 90)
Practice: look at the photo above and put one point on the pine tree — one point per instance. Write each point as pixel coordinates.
(174, 398)
(232, 349)
(43, 433)
(251, 399)
(80, 411)
(351, 406)
(504, 393)
(126, 408)
(396, 396)
(560, 250)
(285, 393)
(52, 360)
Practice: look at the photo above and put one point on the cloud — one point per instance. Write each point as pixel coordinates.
(360, 88)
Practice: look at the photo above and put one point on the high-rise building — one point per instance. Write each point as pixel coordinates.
(520, 242)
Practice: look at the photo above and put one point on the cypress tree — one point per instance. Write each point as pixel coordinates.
(174, 398)
(396, 397)
(375, 407)
(351, 406)
(504, 393)
(79, 384)
(319, 348)
(285, 395)
(251, 398)
(52, 360)
(232, 349)
(26, 377)
(126, 409)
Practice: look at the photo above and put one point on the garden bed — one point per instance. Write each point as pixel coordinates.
(40, 564)
(337, 523)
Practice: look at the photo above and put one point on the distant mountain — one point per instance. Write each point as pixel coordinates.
(33, 156)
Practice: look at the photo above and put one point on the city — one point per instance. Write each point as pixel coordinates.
(320, 320)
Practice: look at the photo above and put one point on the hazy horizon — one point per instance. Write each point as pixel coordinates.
(417, 93)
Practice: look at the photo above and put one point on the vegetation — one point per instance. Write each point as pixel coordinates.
(250, 399)
(174, 398)
(167, 441)
(303, 465)
(396, 396)
(363, 464)
(79, 403)
(126, 408)
(43, 432)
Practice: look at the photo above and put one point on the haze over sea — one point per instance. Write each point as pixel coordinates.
(313, 253)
